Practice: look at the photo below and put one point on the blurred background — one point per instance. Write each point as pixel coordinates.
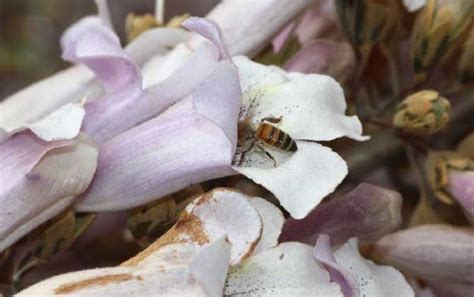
(30, 31)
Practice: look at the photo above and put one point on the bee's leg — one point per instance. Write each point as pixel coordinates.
(267, 154)
(239, 155)
(272, 119)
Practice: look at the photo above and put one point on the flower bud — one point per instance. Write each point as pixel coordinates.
(368, 212)
(422, 113)
(137, 24)
(367, 22)
(439, 253)
(439, 29)
(440, 166)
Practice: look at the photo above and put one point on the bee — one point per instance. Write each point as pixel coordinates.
(275, 137)
(265, 133)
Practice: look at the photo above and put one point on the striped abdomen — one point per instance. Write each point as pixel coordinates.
(275, 137)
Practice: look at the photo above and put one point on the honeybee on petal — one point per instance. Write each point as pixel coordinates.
(265, 134)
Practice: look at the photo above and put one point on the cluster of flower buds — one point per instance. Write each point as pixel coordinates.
(439, 29)
(367, 22)
(422, 113)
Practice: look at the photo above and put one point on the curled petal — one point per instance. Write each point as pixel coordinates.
(91, 43)
(155, 158)
(70, 85)
(248, 26)
(311, 107)
(335, 59)
(323, 253)
(272, 219)
(367, 212)
(134, 106)
(300, 183)
(156, 41)
(63, 123)
(372, 279)
(286, 270)
(430, 252)
(461, 187)
(210, 30)
(38, 180)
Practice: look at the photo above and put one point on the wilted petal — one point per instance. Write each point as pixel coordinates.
(286, 270)
(272, 219)
(367, 212)
(187, 144)
(323, 253)
(191, 259)
(211, 216)
(301, 182)
(430, 252)
(373, 280)
(335, 59)
(414, 5)
(38, 180)
(248, 26)
(461, 187)
(312, 106)
(169, 273)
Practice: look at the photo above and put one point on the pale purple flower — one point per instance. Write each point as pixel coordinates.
(442, 255)
(367, 212)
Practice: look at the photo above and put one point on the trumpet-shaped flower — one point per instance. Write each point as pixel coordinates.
(146, 154)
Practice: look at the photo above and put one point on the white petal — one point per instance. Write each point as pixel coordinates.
(414, 5)
(272, 219)
(286, 270)
(167, 275)
(228, 213)
(209, 267)
(311, 106)
(63, 123)
(373, 280)
(157, 41)
(42, 98)
(300, 183)
(29, 197)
